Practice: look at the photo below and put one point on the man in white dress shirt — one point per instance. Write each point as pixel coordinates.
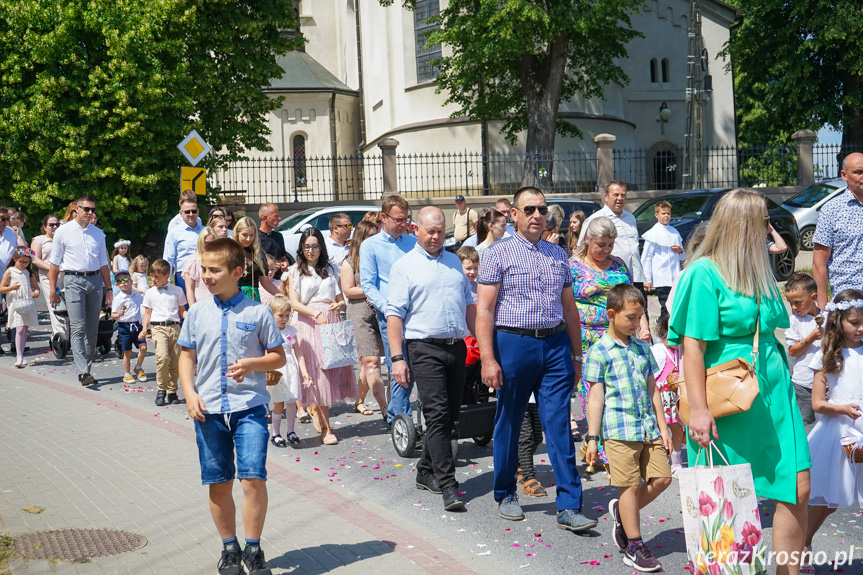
(182, 241)
(338, 242)
(187, 196)
(79, 252)
(626, 244)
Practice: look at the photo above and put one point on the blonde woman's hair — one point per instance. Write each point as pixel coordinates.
(600, 227)
(741, 256)
(571, 238)
(202, 239)
(136, 263)
(247, 222)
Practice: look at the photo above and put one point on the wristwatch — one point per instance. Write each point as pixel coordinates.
(576, 358)
(589, 438)
(396, 358)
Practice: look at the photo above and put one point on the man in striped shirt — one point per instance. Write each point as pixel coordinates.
(529, 336)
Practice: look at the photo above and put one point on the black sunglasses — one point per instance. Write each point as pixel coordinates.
(57, 225)
(187, 212)
(529, 210)
(88, 210)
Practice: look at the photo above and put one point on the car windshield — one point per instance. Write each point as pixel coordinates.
(295, 219)
(811, 196)
(687, 207)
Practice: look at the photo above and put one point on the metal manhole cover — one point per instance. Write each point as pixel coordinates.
(76, 545)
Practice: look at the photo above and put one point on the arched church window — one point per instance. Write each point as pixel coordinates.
(654, 76)
(299, 147)
(426, 55)
(665, 76)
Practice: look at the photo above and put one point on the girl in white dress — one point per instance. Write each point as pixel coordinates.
(20, 287)
(835, 482)
(287, 391)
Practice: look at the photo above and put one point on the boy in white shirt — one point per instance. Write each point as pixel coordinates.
(126, 311)
(661, 256)
(803, 339)
(164, 306)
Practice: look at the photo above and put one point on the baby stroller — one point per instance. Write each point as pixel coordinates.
(476, 417)
(61, 341)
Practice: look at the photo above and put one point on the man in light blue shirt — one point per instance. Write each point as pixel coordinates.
(182, 241)
(377, 256)
(430, 301)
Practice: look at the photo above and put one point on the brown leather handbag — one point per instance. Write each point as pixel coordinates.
(731, 386)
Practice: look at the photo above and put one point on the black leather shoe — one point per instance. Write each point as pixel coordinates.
(160, 398)
(173, 399)
(451, 499)
(87, 379)
(428, 482)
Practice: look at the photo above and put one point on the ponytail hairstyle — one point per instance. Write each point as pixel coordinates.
(844, 304)
(484, 223)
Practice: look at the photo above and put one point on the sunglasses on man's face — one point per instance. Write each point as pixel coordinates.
(346, 226)
(88, 210)
(530, 210)
(189, 212)
(4, 219)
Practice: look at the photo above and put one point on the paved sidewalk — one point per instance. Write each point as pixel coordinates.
(95, 463)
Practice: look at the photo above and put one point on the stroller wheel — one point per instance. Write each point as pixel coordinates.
(118, 347)
(483, 440)
(59, 345)
(404, 435)
(104, 348)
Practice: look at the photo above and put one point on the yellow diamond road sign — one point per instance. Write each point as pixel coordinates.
(194, 147)
(193, 180)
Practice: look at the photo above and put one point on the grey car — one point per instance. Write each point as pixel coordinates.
(806, 204)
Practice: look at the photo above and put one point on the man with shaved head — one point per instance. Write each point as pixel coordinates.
(430, 305)
(837, 258)
(271, 240)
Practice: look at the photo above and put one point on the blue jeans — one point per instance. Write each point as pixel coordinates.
(400, 397)
(219, 435)
(181, 283)
(542, 366)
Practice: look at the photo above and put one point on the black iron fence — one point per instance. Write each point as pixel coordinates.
(283, 180)
(470, 173)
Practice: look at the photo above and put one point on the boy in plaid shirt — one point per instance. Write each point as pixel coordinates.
(626, 407)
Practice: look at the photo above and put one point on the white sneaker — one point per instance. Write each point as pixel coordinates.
(675, 469)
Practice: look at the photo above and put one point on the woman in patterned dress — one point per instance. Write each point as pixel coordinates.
(594, 272)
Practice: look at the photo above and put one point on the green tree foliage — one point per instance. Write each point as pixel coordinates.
(95, 95)
(516, 60)
(798, 65)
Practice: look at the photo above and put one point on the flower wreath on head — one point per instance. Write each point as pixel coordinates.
(26, 252)
(844, 305)
(120, 243)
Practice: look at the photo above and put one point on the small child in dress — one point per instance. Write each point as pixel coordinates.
(164, 306)
(626, 408)
(272, 268)
(469, 265)
(803, 338)
(670, 362)
(126, 311)
(287, 391)
(835, 482)
(20, 287)
(139, 267)
(120, 256)
(662, 255)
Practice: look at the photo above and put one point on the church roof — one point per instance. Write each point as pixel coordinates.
(302, 73)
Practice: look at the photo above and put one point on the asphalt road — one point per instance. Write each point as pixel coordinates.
(365, 463)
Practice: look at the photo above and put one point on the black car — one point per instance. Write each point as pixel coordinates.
(688, 209)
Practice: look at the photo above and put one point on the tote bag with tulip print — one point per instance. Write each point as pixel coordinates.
(721, 519)
(338, 345)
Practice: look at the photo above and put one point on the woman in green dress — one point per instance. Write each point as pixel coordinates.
(715, 307)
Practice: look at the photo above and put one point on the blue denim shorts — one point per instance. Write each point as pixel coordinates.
(127, 333)
(219, 435)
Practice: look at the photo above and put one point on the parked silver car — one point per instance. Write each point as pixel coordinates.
(806, 204)
(292, 226)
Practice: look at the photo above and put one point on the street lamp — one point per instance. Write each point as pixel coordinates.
(664, 112)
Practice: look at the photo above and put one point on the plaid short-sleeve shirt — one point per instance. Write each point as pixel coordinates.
(531, 278)
(623, 370)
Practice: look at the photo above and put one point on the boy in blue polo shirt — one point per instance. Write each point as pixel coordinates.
(626, 407)
(234, 340)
